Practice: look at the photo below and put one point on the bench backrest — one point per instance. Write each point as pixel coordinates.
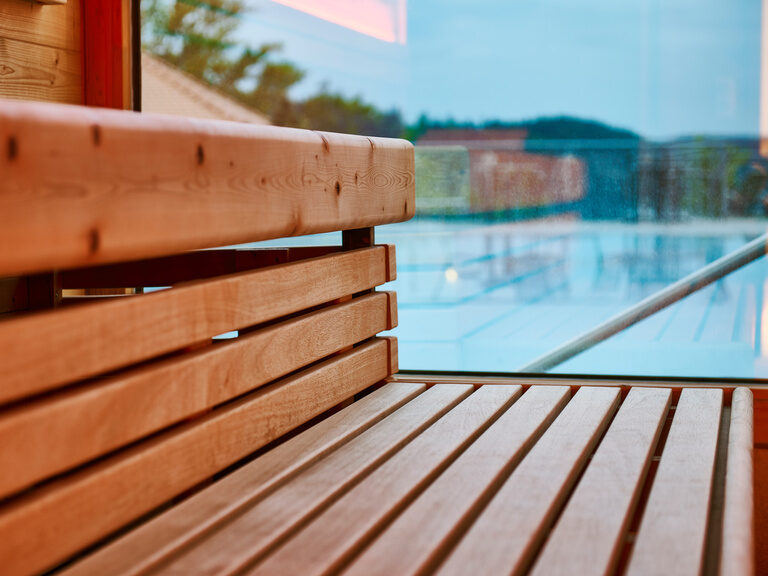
(112, 406)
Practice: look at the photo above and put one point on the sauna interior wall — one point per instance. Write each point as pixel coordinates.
(41, 56)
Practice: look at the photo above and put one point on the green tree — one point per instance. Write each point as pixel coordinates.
(335, 113)
(271, 93)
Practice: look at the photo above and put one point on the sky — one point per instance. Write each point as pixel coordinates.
(664, 68)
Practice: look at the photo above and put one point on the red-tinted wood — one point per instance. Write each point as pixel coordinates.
(103, 53)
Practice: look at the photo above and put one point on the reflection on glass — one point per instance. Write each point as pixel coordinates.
(572, 158)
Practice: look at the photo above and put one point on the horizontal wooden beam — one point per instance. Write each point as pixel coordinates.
(84, 186)
(44, 350)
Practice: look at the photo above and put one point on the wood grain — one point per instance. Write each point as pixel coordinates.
(87, 186)
(34, 72)
(56, 27)
(674, 524)
(158, 539)
(589, 534)
(737, 555)
(419, 538)
(149, 325)
(524, 508)
(263, 526)
(48, 525)
(332, 538)
(65, 430)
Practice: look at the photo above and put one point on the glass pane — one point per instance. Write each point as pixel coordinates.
(572, 158)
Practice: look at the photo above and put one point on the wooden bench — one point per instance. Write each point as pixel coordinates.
(131, 442)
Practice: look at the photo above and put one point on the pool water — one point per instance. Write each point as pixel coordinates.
(492, 297)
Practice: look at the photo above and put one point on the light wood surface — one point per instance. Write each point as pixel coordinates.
(264, 525)
(422, 533)
(145, 326)
(673, 528)
(420, 537)
(65, 430)
(87, 186)
(50, 524)
(524, 508)
(55, 27)
(334, 536)
(181, 525)
(33, 72)
(588, 536)
(737, 556)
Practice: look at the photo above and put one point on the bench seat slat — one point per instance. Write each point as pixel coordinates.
(738, 548)
(139, 550)
(263, 525)
(421, 535)
(524, 508)
(88, 186)
(79, 509)
(417, 533)
(331, 538)
(49, 349)
(59, 432)
(588, 537)
(674, 523)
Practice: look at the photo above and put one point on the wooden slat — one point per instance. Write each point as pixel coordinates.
(524, 508)
(332, 538)
(589, 535)
(418, 538)
(263, 526)
(56, 27)
(141, 549)
(87, 186)
(196, 265)
(65, 430)
(674, 524)
(33, 72)
(50, 524)
(737, 555)
(44, 350)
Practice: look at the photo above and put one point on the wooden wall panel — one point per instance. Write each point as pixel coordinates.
(33, 72)
(54, 26)
(41, 56)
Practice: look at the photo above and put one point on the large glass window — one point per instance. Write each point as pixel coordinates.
(573, 158)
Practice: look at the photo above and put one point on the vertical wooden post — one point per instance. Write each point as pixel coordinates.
(357, 238)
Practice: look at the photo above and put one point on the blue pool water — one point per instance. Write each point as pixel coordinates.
(478, 297)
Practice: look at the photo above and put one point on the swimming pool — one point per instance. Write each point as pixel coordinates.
(492, 297)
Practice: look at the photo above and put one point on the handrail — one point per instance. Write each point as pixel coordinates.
(661, 299)
(86, 186)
